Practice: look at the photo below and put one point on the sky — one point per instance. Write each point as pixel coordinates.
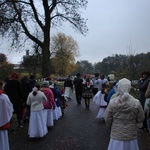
(115, 27)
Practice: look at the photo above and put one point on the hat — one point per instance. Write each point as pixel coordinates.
(78, 75)
(45, 83)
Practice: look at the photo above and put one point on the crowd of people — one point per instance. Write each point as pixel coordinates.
(42, 104)
(39, 104)
(122, 113)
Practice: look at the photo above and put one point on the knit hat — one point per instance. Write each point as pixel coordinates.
(124, 87)
(45, 83)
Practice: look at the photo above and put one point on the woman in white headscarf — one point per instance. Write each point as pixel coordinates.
(124, 115)
(37, 122)
(6, 112)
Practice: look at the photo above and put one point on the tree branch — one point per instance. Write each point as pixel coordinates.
(25, 28)
(69, 19)
(35, 14)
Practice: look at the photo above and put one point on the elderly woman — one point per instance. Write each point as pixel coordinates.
(124, 115)
(49, 105)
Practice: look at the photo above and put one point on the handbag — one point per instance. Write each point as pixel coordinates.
(5, 127)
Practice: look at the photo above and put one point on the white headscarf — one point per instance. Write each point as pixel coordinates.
(123, 88)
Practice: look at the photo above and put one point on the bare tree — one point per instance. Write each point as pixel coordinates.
(22, 19)
(131, 63)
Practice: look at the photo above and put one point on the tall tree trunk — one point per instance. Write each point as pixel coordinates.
(46, 43)
(46, 55)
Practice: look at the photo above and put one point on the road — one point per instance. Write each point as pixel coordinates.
(78, 129)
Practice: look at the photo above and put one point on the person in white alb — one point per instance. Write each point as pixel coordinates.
(100, 81)
(99, 100)
(6, 112)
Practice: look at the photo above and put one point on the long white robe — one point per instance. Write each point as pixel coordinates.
(38, 124)
(99, 100)
(68, 92)
(6, 112)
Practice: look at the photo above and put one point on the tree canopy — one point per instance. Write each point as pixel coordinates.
(65, 49)
(33, 20)
(5, 67)
(3, 58)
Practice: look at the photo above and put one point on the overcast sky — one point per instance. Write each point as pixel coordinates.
(115, 27)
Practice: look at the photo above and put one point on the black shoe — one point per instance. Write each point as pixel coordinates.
(87, 107)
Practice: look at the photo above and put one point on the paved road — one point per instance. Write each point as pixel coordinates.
(78, 129)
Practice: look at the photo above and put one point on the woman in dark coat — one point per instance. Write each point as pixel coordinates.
(87, 91)
(13, 89)
(142, 85)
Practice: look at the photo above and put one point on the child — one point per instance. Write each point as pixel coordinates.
(63, 101)
(99, 100)
(58, 104)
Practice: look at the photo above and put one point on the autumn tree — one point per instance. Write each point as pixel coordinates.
(5, 67)
(32, 64)
(84, 67)
(3, 58)
(65, 49)
(129, 66)
(32, 61)
(33, 20)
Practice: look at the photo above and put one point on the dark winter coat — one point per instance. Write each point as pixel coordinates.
(58, 94)
(27, 87)
(68, 83)
(78, 85)
(13, 89)
(143, 84)
(147, 93)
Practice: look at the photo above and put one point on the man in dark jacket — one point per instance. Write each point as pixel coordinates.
(78, 87)
(68, 87)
